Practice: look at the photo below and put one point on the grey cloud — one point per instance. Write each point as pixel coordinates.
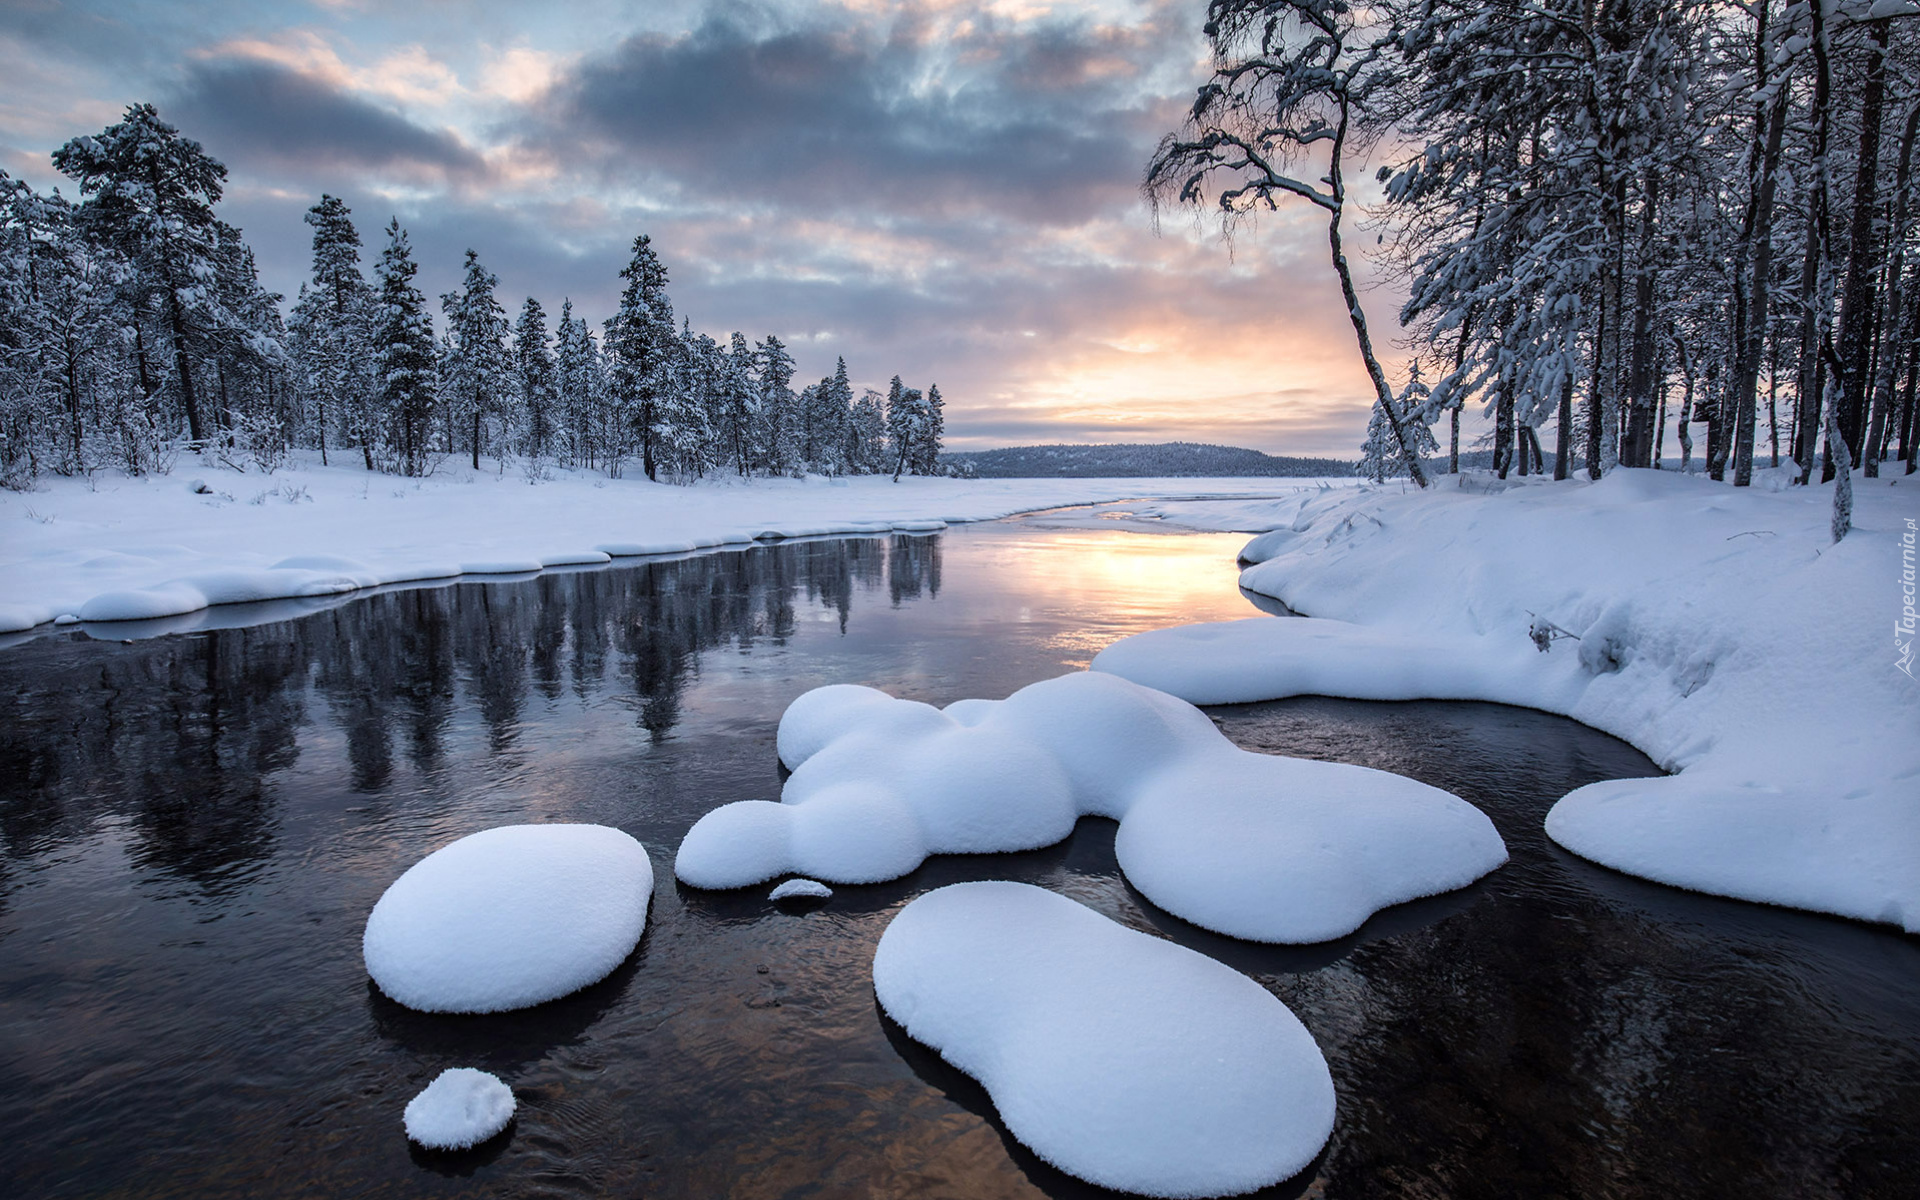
(1035, 126)
(265, 116)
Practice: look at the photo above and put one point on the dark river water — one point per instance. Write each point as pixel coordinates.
(193, 829)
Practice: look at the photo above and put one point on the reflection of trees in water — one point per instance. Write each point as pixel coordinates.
(182, 735)
(913, 566)
(176, 736)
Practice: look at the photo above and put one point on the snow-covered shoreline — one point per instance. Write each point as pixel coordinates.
(117, 548)
(1718, 630)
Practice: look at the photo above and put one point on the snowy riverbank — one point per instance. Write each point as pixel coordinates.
(1718, 630)
(116, 548)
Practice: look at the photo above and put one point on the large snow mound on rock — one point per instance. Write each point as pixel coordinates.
(460, 1109)
(1254, 846)
(1719, 630)
(1120, 1058)
(510, 917)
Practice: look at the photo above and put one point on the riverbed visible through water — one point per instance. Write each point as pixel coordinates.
(194, 827)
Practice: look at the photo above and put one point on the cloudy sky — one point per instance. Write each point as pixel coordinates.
(943, 189)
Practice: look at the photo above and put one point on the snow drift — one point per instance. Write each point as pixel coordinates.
(1120, 1058)
(1254, 846)
(1718, 630)
(509, 917)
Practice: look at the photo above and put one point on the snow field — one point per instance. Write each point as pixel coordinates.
(112, 548)
(509, 917)
(1253, 846)
(1122, 1059)
(1718, 630)
(460, 1109)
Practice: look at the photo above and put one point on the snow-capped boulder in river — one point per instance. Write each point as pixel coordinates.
(1120, 1058)
(510, 917)
(1254, 846)
(460, 1109)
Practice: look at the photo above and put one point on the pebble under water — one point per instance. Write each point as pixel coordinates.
(194, 827)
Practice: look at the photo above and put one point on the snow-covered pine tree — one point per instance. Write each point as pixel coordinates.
(535, 380)
(906, 425)
(332, 330)
(640, 343)
(576, 370)
(1380, 457)
(867, 435)
(404, 356)
(680, 429)
(151, 196)
(477, 370)
(777, 447)
(740, 405)
(933, 434)
(832, 421)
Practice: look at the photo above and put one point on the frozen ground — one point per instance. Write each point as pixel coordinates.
(1254, 846)
(116, 548)
(1718, 630)
(1116, 1056)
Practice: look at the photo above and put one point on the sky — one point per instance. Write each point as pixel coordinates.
(947, 190)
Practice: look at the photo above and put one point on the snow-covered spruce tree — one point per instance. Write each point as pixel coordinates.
(739, 404)
(477, 371)
(906, 426)
(577, 381)
(332, 330)
(1288, 76)
(535, 381)
(867, 435)
(640, 345)
(933, 433)
(830, 424)
(150, 195)
(680, 433)
(777, 431)
(1380, 457)
(705, 379)
(404, 358)
(246, 346)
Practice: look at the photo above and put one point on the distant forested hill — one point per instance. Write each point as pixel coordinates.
(1157, 459)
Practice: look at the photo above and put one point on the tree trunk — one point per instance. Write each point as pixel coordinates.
(1563, 435)
(1379, 377)
(1893, 312)
(1857, 302)
(1636, 449)
(177, 321)
(1758, 229)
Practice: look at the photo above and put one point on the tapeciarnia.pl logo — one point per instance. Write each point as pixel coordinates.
(1903, 640)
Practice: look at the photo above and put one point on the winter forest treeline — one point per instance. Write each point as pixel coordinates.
(133, 328)
(1639, 222)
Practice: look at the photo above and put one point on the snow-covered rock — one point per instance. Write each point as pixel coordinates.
(1120, 1058)
(1718, 630)
(1254, 846)
(801, 889)
(460, 1109)
(510, 917)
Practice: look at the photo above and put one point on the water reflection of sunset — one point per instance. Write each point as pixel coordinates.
(1095, 589)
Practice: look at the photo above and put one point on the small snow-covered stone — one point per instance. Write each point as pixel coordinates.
(1120, 1058)
(510, 917)
(460, 1109)
(798, 888)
